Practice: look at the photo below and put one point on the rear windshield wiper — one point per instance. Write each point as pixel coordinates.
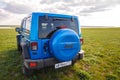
(54, 19)
(72, 19)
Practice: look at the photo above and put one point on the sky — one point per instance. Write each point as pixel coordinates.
(90, 12)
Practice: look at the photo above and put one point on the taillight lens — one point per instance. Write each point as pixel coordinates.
(81, 40)
(34, 45)
(32, 64)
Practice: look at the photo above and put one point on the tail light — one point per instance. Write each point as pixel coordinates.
(32, 64)
(34, 45)
(81, 40)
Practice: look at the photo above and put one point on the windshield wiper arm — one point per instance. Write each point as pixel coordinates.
(59, 19)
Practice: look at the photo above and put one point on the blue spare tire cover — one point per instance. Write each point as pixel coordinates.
(64, 44)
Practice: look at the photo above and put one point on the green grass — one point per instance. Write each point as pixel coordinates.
(101, 61)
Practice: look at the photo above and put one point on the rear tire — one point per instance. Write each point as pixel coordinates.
(27, 72)
(18, 38)
(19, 48)
(81, 56)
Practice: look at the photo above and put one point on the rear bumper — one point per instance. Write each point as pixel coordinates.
(41, 63)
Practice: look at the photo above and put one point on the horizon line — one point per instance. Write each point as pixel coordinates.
(81, 26)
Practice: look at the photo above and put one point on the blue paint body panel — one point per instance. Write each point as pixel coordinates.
(52, 49)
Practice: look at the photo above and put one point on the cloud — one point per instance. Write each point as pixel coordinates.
(60, 6)
(48, 1)
(75, 7)
(94, 9)
(107, 18)
(10, 18)
(79, 7)
(17, 8)
(4, 15)
(2, 4)
(91, 6)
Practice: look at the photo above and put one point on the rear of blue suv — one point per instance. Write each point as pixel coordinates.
(47, 39)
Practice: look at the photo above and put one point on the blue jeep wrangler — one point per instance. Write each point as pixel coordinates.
(47, 39)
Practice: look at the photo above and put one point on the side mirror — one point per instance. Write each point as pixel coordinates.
(17, 30)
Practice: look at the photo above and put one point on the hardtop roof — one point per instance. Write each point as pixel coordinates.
(53, 15)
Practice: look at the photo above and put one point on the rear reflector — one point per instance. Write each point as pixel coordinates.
(33, 64)
(81, 40)
(34, 45)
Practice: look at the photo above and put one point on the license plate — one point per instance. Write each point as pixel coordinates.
(63, 64)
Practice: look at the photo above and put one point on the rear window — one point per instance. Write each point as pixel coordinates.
(50, 24)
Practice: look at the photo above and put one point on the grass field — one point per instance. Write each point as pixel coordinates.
(101, 61)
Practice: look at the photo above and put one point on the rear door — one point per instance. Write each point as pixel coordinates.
(47, 26)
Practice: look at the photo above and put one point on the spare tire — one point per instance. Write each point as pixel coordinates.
(64, 44)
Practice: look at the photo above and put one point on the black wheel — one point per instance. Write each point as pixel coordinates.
(81, 56)
(73, 62)
(19, 47)
(27, 72)
(18, 43)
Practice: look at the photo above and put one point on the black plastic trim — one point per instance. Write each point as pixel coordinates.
(25, 51)
(42, 63)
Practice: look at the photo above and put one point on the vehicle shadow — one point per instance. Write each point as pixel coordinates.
(11, 64)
